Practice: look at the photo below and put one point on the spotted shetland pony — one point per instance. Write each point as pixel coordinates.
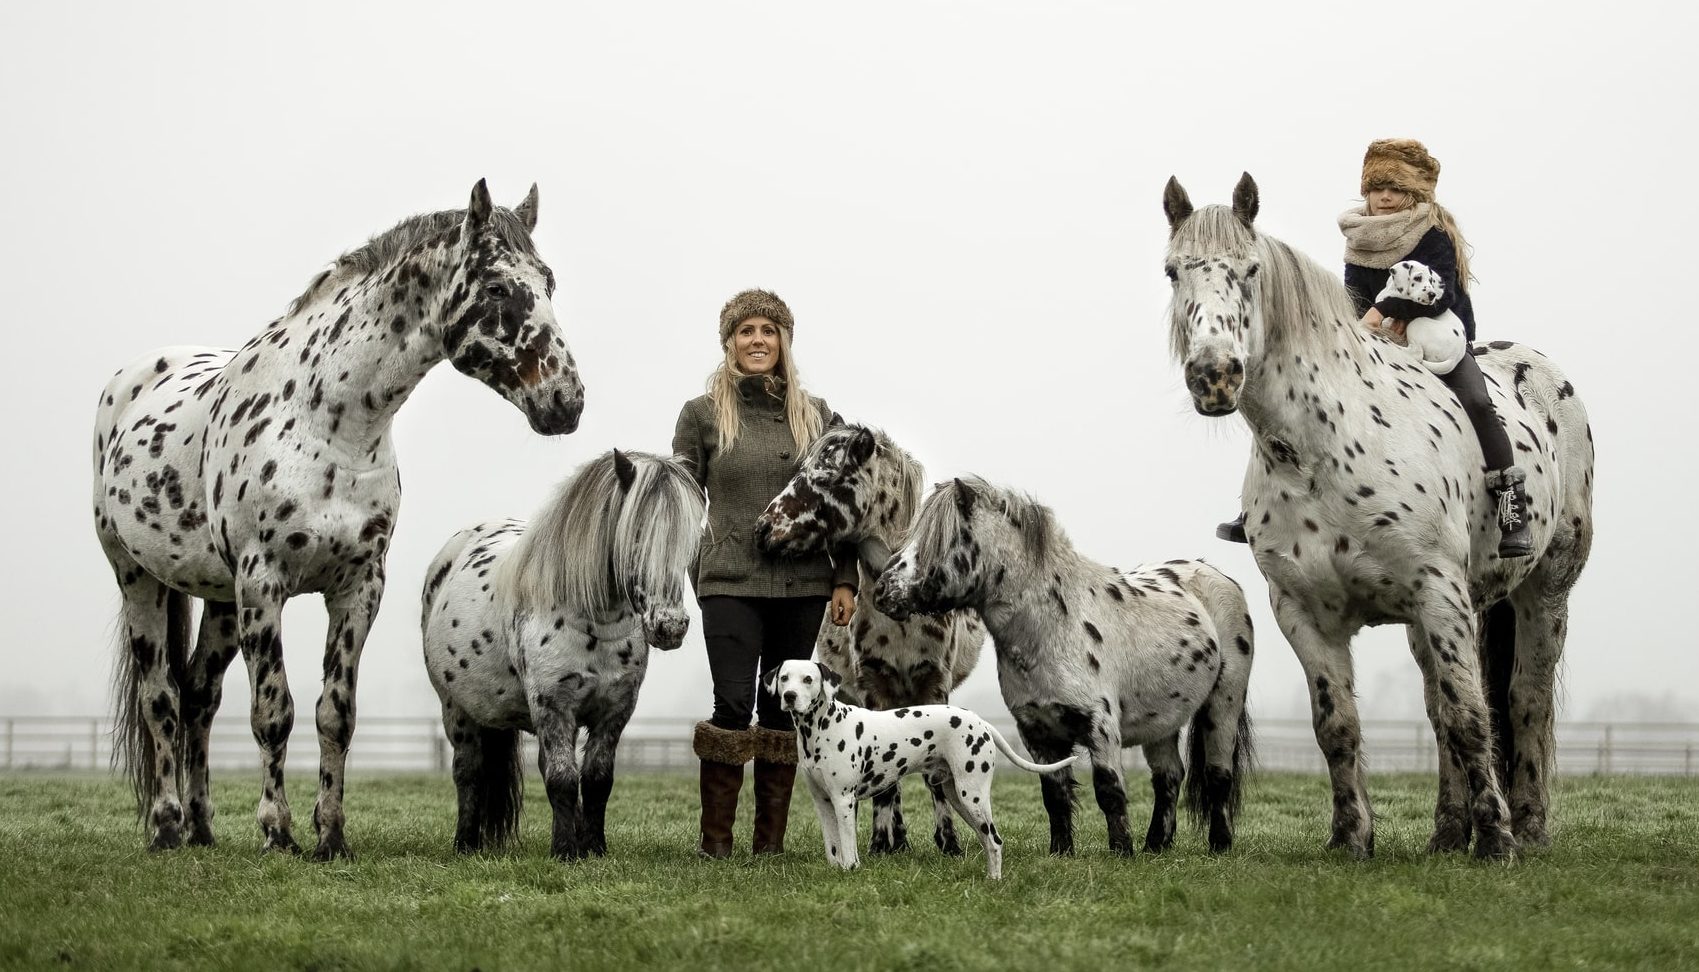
(856, 486)
(1366, 505)
(542, 627)
(1092, 656)
(245, 477)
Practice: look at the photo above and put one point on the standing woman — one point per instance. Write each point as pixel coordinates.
(745, 439)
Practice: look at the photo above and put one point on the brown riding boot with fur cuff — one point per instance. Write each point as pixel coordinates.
(775, 773)
(723, 753)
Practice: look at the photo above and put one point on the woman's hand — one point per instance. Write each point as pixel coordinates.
(843, 604)
(1372, 318)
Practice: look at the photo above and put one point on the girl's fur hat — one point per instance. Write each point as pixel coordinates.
(755, 303)
(1402, 163)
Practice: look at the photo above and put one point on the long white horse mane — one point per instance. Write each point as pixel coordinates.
(591, 535)
(941, 522)
(1294, 289)
(384, 248)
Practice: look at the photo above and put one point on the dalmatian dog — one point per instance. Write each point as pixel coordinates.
(847, 753)
(1437, 341)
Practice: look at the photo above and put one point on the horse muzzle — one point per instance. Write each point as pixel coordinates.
(1214, 384)
(558, 415)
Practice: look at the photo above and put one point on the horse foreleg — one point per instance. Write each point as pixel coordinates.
(350, 620)
(1108, 783)
(1057, 788)
(1449, 624)
(215, 648)
(557, 758)
(598, 777)
(1451, 808)
(1542, 623)
(1326, 659)
(259, 622)
(1167, 771)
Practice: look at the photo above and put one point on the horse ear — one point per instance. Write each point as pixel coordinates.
(624, 470)
(1176, 204)
(527, 210)
(862, 446)
(835, 421)
(770, 680)
(1245, 203)
(964, 498)
(478, 210)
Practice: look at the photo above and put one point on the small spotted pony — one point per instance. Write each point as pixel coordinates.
(1366, 504)
(245, 477)
(857, 486)
(541, 627)
(1092, 656)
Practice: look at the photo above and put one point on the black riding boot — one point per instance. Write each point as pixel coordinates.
(1506, 487)
(1233, 530)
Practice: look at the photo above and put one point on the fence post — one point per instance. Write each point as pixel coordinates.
(1609, 749)
(94, 744)
(12, 730)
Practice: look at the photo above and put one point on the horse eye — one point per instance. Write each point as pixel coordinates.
(497, 289)
(1173, 274)
(1251, 271)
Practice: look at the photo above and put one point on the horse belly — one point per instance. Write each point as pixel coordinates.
(150, 496)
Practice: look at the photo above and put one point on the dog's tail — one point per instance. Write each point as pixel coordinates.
(1018, 760)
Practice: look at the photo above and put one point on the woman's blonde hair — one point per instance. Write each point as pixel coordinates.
(800, 413)
(1440, 216)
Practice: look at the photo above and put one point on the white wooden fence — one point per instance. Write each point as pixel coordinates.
(418, 744)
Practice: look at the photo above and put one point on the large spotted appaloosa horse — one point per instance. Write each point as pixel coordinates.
(857, 486)
(245, 477)
(1366, 504)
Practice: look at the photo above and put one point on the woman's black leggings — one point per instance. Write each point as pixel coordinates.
(747, 636)
(1470, 387)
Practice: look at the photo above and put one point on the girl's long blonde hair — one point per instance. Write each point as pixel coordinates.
(800, 413)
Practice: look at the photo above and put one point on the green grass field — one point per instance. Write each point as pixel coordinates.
(1619, 890)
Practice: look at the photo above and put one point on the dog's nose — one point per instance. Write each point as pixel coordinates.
(790, 697)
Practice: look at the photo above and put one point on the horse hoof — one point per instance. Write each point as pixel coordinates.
(330, 850)
(280, 841)
(201, 836)
(166, 838)
(1358, 850)
(948, 844)
(1495, 845)
(1448, 842)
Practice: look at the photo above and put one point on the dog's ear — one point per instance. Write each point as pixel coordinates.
(770, 680)
(829, 677)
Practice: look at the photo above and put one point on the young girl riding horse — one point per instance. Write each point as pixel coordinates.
(1400, 225)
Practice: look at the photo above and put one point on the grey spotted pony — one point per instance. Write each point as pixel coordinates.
(542, 627)
(1092, 656)
(245, 477)
(1366, 504)
(857, 486)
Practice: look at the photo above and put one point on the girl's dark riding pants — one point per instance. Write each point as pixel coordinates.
(747, 636)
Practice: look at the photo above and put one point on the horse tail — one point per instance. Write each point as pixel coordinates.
(500, 784)
(1019, 760)
(1498, 660)
(132, 742)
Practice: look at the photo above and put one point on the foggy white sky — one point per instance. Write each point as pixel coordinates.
(959, 201)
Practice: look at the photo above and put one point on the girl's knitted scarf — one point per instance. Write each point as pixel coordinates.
(1381, 241)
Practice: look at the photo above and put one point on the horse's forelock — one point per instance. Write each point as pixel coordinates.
(565, 553)
(659, 524)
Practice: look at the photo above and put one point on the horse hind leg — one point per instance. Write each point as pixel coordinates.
(488, 781)
(259, 620)
(1166, 773)
(215, 648)
(1542, 623)
(148, 723)
(1464, 722)
(1452, 826)
(932, 687)
(890, 832)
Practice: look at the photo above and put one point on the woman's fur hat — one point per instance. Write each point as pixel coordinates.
(755, 303)
(1402, 163)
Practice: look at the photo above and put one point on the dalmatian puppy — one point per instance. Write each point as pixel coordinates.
(1437, 341)
(847, 753)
